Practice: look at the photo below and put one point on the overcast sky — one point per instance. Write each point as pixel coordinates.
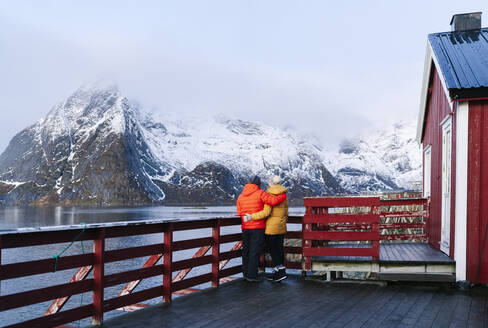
(332, 68)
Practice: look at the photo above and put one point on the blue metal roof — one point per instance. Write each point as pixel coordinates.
(463, 60)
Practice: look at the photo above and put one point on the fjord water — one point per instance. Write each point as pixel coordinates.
(12, 218)
(21, 217)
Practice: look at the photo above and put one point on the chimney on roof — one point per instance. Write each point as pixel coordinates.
(464, 22)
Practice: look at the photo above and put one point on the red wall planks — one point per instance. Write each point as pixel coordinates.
(483, 273)
(438, 109)
(477, 207)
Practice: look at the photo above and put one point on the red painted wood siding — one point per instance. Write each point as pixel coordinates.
(477, 207)
(438, 109)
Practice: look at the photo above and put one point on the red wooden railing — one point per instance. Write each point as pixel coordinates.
(95, 261)
(404, 219)
(331, 224)
(322, 213)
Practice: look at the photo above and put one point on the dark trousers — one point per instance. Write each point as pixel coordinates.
(274, 244)
(252, 248)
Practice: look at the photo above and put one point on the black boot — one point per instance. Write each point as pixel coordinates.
(278, 275)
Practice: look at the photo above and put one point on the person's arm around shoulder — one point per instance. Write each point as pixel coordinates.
(263, 214)
(272, 200)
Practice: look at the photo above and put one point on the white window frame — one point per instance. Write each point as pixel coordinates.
(427, 181)
(446, 180)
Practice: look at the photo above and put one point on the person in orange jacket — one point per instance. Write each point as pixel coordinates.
(252, 200)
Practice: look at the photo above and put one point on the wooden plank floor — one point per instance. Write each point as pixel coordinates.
(297, 302)
(394, 252)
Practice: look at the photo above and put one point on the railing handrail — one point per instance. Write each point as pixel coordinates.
(96, 260)
(106, 225)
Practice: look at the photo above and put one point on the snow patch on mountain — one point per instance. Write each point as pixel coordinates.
(244, 147)
(385, 159)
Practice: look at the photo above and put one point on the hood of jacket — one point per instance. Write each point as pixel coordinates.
(249, 189)
(277, 189)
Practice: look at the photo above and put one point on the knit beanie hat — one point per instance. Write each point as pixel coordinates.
(255, 180)
(274, 180)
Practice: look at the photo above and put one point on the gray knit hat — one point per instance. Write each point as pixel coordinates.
(274, 180)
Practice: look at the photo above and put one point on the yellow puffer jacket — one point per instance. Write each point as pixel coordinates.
(276, 216)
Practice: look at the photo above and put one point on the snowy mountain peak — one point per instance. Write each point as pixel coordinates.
(386, 159)
(88, 108)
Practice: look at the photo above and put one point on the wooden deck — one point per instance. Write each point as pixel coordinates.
(406, 252)
(395, 260)
(298, 302)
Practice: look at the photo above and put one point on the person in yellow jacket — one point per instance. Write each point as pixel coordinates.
(276, 218)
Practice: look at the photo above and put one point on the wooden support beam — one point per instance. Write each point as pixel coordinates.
(307, 227)
(375, 241)
(216, 254)
(98, 275)
(167, 262)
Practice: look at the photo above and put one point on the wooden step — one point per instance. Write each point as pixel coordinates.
(434, 277)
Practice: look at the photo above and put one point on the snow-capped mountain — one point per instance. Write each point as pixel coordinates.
(387, 159)
(98, 148)
(87, 149)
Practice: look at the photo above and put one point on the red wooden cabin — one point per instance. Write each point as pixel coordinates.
(453, 133)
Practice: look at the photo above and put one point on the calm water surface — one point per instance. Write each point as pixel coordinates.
(21, 217)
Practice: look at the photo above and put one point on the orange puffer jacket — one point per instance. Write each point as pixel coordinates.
(252, 200)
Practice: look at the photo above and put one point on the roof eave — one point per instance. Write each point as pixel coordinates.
(430, 62)
(424, 93)
(468, 93)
